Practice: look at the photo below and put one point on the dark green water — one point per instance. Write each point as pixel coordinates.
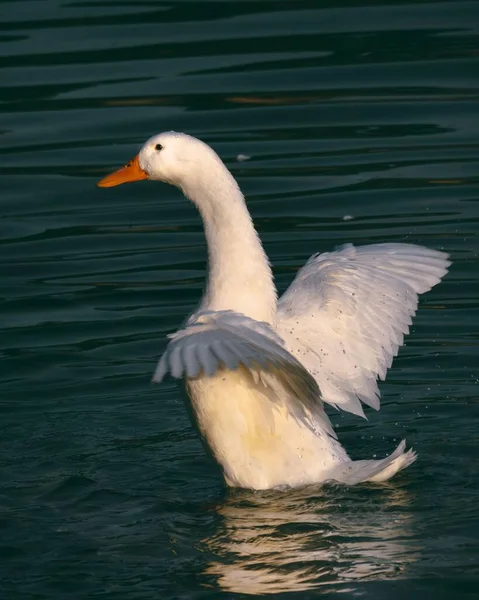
(345, 107)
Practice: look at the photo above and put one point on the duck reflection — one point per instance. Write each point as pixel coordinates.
(298, 540)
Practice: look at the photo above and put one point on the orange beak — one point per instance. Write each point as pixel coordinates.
(130, 172)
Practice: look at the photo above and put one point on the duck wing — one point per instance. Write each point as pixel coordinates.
(345, 315)
(216, 340)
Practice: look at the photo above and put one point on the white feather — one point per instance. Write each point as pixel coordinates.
(345, 314)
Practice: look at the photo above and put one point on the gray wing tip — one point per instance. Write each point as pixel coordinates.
(158, 376)
(161, 370)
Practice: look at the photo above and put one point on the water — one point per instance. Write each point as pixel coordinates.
(345, 109)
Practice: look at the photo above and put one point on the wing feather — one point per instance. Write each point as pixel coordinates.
(346, 313)
(192, 365)
(212, 341)
(226, 356)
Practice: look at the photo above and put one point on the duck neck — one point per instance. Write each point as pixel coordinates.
(239, 274)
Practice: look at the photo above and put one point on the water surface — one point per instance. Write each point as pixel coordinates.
(360, 123)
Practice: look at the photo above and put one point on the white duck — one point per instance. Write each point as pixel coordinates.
(258, 369)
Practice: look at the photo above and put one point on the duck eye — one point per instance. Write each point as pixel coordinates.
(158, 147)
